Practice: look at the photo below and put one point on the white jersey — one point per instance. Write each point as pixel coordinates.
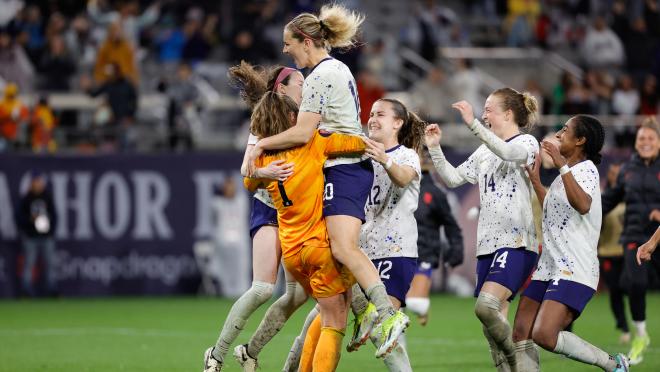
(330, 90)
(391, 228)
(261, 194)
(570, 240)
(505, 194)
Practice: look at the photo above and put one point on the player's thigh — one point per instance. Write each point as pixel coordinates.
(553, 317)
(344, 232)
(497, 290)
(524, 319)
(266, 253)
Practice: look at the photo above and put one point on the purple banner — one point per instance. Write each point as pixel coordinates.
(126, 223)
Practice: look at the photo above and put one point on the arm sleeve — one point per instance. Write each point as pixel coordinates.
(507, 151)
(450, 175)
(614, 195)
(337, 144)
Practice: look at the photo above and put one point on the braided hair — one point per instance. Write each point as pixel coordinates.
(589, 128)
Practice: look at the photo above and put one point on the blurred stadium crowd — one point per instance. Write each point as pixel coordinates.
(159, 66)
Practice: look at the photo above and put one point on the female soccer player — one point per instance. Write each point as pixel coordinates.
(506, 247)
(302, 231)
(389, 235)
(638, 185)
(330, 101)
(253, 84)
(567, 274)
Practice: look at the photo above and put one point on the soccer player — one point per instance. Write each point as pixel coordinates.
(330, 101)
(433, 212)
(506, 240)
(303, 236)
(389, 236)
(253, 84)
(567, 274)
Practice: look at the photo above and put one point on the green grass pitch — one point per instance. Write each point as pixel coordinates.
(170, 334)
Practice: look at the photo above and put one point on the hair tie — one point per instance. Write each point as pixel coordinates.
(286, 71)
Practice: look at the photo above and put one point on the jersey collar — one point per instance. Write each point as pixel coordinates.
(317, 65)
(393, 148)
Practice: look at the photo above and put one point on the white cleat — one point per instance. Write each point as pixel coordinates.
(210, 363)
(241, 355)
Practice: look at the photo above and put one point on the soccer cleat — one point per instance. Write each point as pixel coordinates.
(210, 363)
(622, 364)
(390, 330)
(248, 363)
(362, 326)
(639, 345)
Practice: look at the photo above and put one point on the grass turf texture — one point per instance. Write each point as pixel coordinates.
(171, 334)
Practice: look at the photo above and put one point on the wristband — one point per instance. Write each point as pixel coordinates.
(388, 164)
(564, 169)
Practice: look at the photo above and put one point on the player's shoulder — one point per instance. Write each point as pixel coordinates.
(526, 139)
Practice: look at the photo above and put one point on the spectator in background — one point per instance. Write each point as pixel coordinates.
(638, 186)
(196, 46)
(42, 126)
(56, 66)
(625, 99)
(648, 97)
(600, 84)
(80, 43)
(610, 255)
(182, 111)
(36, 221)
(431, 95)
(369, 90)
(533, 87)
(117, 51)
(231, 208)
(121, 97)
(170, 41)
(578, 98)
(14, 115)
(601, 47)
(14, 64)
(466, 84)
(383, 60)
(30, 29)
(126, 15)
(56, 26)
(640, 48)
(521, 20)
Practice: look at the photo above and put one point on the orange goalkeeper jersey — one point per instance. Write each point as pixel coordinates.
(299, 199)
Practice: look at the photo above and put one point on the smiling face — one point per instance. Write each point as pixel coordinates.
(296, 49)
(293, 88)
(568, 142)
(647, 143)
(383, 125)
(494, 116)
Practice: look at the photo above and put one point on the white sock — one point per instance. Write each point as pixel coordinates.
(499, 360)
(574, 347)
(276, 315)
(418, 305)
(496, 326)
(640, 328)
(359, 302)
(377, 295)
(293, 359)
(527, 356)
(397, 360)
(250, 301)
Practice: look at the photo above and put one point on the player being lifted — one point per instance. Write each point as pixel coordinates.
(506, 239)
(567, 274)
(253, 84)
(330, 102)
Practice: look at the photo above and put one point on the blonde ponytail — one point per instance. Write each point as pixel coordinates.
(335, 27)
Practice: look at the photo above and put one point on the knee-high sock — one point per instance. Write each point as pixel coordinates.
(293, 360)
(276, 315)
(397, 360)
(309, 348)
(527, 356)
(487, 310)
(328, 350)
(259, 293)
(574, 347)
(496, 354)
(359, 302)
